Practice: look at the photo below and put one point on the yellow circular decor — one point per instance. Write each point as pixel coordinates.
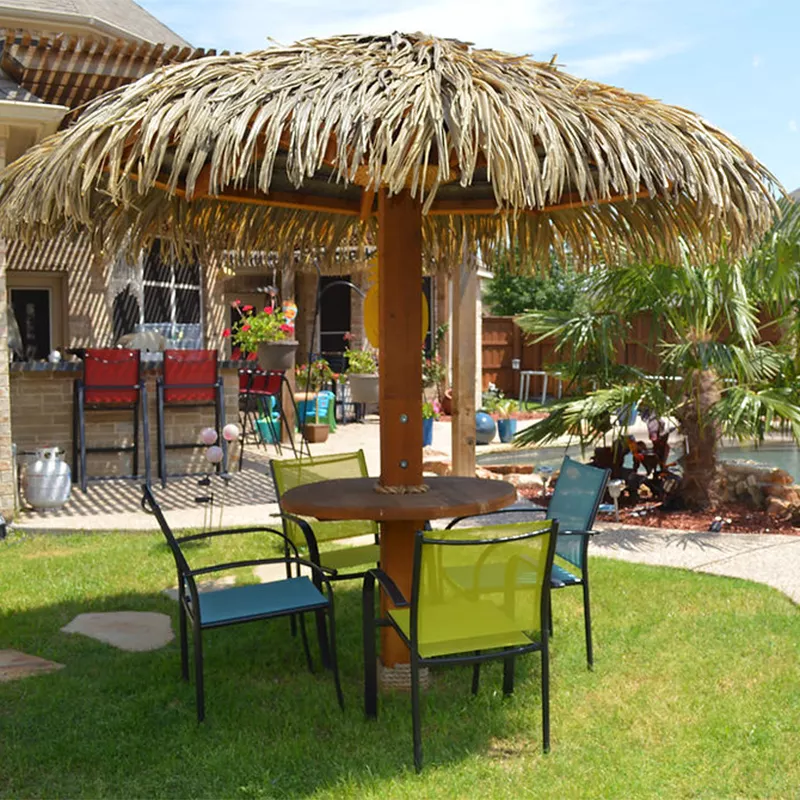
(372, 314)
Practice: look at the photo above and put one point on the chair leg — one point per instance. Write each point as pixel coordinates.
(160, 435)
(322, 636)
(198, 672)
(550, 621)
(135, 465)
(476, 677)
(304, 637)
(145, 434)
(334, 657)
(82, 438)
(370, 651)
(546, 697)
(508, 676)
(219, 420)
(75, 473)
(587, 621)
(415, 711)
(184, 641)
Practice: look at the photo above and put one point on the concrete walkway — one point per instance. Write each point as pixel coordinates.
(764, 558)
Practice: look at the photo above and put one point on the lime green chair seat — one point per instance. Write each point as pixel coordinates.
(447, 621)
(348, 561)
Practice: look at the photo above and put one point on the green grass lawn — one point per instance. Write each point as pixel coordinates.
(696, 693)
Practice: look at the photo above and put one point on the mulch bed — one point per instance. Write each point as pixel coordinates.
(736, 517)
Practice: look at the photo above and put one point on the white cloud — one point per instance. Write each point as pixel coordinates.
(610, 64)
(793, 125)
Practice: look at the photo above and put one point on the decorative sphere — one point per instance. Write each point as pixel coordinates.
(231, 432)
(485, 428)
(208, 436)
(214, 454)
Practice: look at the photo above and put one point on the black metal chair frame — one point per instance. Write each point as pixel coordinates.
(398, 600)
(79, 448)
(189, 600)
(219, 417)
(248, 417)
(582, 581)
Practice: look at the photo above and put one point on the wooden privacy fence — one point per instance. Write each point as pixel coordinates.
(503, 341)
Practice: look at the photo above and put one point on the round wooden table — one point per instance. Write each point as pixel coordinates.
(400, 515)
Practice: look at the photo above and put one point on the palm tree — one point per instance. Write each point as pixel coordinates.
(717, 377)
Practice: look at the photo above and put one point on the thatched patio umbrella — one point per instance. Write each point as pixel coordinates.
(420, 144)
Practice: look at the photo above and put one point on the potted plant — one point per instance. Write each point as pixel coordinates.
(266, 333)
(362, 372)
(313, 378)
(430, 412)
(505, 408)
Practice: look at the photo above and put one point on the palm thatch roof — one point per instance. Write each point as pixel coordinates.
(285, 148)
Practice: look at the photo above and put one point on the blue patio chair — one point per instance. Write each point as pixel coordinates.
(308, 409)
(574, 504)
(294, 596)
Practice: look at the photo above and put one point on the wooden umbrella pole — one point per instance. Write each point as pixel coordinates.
(400, 343)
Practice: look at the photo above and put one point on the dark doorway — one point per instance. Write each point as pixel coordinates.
(334, 318)
(32, 312)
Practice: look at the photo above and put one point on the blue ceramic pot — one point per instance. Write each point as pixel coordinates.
(506, 428)
(485, 428)
(427, 432)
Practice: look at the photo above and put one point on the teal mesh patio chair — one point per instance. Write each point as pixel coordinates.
(349, 561)
(295, 596)
(577, 496)
(463, 622)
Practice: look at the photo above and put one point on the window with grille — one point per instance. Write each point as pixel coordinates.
(172, 300)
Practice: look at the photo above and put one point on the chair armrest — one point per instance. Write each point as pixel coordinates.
(388, 585)
(308, 533)
(229, 531)
(536, 510)
(324, 571)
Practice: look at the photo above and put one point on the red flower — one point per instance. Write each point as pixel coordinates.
(226, 333)
(246, 309)
(286, 328)
(245, 328)
(236, 303)
(267, 309)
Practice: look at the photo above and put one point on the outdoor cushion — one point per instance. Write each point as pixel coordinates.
(259, 600)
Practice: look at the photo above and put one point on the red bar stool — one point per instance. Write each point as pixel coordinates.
(190, 379)
(111, 381)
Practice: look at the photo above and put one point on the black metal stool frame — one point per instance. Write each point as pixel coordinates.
(79, 448)
(219, 417)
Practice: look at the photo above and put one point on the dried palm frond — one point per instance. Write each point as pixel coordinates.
(243, 151)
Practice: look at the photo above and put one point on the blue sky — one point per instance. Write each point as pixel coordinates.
(733, 61)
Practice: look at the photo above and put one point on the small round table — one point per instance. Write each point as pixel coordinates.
(400, 515)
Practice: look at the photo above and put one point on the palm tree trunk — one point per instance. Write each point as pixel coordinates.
(699, 488)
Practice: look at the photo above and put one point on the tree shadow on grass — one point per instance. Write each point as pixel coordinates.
(122, 724)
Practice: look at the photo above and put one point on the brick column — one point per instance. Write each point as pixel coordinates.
(6, 471)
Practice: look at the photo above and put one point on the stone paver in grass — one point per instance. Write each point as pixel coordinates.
(128, 630)
(14, 665)
(205, 586)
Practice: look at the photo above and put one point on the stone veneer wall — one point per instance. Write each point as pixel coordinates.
(41, 415)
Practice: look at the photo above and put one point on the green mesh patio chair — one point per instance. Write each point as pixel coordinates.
(295, 596)
(348, 561)
(463, 622)
(577, 496)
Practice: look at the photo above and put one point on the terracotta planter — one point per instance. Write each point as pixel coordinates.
(447, 402)
(316, 432)
(363, 388)
(277, 355)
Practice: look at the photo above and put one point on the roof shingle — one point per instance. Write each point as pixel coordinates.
(125, 15)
